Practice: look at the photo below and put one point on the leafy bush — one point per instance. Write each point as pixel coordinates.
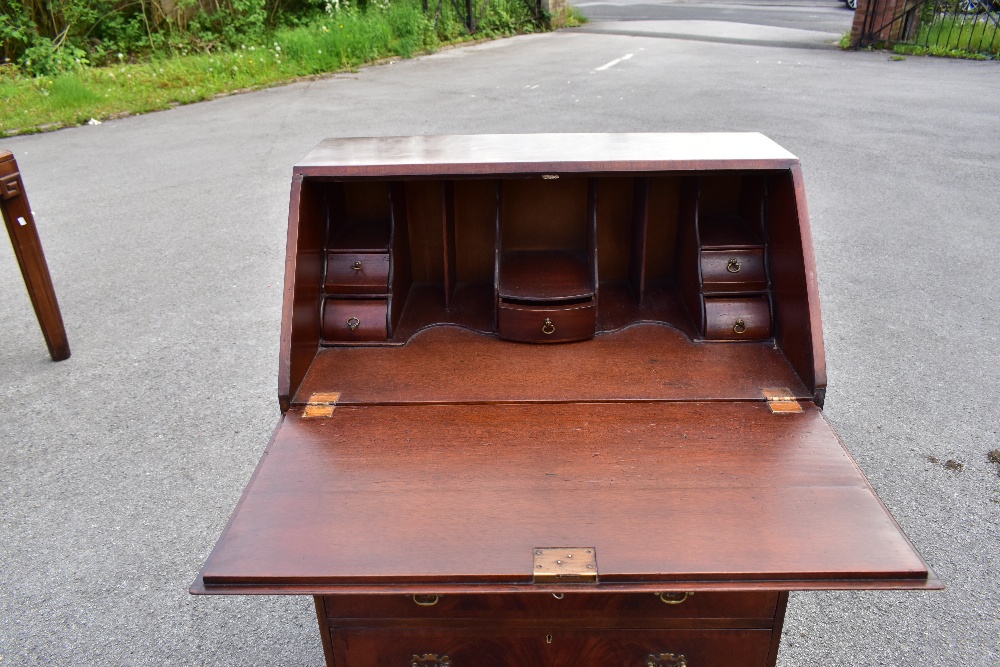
(44, 37)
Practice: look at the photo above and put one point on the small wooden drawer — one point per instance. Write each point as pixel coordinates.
(357, 273)
(547, 647)
(547, 323)
(742, 318)
(739, 270)
(355, 319)
(743, 609)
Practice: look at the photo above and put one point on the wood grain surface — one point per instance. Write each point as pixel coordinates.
(20, 223)
(642, 362)
(470, 155)
(461, 494)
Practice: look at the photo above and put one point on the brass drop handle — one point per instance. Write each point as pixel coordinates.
(548, 328)
(733, 265)
(426, 600)
(665, 660)
(357, 265)
(673, 598)
(740, 326)
(353, 323)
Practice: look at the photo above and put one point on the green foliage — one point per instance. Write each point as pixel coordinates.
(199, 63)
(44, 57)
(950, 34)
(574, 17)
(47, 37)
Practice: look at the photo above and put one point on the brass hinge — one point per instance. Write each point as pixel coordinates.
(571, 565)
(321, 404)
(781, 401)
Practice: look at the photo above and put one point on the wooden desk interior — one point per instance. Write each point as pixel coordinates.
(608, 344)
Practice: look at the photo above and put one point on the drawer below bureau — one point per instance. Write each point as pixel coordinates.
(629, 610)
(456, 647)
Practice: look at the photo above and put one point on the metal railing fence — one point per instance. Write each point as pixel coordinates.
(949, 25)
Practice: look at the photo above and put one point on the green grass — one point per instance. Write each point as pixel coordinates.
(345, 40)
(951, 38)
(574, 17)
(952, 35)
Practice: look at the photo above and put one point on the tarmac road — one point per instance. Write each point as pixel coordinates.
(165, 236)
(820, 15)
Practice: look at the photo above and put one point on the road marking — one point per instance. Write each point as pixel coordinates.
(614, 62)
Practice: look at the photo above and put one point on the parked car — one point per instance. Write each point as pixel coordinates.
(853, 4)
(974, 6)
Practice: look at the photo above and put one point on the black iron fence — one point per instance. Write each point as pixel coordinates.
(971, 26)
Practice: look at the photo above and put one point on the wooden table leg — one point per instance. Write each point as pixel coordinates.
(28, 250)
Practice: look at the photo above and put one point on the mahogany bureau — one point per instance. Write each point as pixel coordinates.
(553, 401)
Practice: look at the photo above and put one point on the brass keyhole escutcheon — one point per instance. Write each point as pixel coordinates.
(733, 265)
(354, 323)
(357, 265)
(548, 328)
(548, 639)
(740, 326)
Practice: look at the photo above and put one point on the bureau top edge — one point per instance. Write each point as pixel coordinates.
(543, 153)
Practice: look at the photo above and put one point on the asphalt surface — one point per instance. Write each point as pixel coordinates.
(165, 235)
(820, 15)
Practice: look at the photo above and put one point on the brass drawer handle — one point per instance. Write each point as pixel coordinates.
(357, 265)
(673, 598)
(430, 660)
(740, 326)
(665, 660)
(354, 323)
(548, 328)
(426, 600)
(733, 265)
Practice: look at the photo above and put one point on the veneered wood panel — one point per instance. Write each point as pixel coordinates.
(461, 494)
(475, 230)
(425, 210)
(643, 362)
(540, 214)
(615, 222)
(798, 324)
(305, 255)
(484, 155)
(661, 240)
(559, 648)
(630, 610)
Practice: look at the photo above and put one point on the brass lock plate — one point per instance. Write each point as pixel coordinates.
(564, 565)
